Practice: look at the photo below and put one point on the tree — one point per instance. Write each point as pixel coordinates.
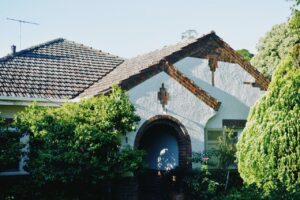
(273, 47)
(245, 54)
(79, 143)
(269, 150)
(294, 22)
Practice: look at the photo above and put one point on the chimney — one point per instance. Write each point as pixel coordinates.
(13, 49)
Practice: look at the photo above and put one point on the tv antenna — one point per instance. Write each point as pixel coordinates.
(20, 23)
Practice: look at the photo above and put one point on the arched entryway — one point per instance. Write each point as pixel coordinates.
(168, 147)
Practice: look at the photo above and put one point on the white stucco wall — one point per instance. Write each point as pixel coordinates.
(236, 97)
(182, 105)
(194, 114)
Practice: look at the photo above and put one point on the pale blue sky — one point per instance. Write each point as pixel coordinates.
(132, 27)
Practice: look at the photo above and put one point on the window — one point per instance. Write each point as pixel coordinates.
(12, 146)
(212, 143)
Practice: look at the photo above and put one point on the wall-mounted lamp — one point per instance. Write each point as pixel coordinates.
(174, 178)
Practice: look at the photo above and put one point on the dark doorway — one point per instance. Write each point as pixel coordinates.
(168, 149)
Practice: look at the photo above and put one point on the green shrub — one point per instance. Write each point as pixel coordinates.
(252, 192)
(75, 149)
(269, 149)
(198, 184)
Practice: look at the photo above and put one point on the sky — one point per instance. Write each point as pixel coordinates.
(128, 28)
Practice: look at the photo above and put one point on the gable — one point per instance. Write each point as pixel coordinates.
(229, 78)
(134, 71)
(182, 103)
(229, 87)
(215, 48)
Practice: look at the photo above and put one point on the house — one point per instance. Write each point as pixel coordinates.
(185, 93)
(49, 74)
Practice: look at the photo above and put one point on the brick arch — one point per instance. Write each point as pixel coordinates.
(183, 138)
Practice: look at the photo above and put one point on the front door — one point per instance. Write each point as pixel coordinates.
(162, 158)
(168, 151)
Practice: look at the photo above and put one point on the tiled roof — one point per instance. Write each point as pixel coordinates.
(59, 69)
(132, 67)
(140, 68)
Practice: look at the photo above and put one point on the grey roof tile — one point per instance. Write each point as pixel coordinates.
(134, 66)
(58, 69)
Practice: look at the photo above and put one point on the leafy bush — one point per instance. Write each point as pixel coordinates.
(198, 184)
(226, 151)
(268, 151)
(244, 193)
(78, 145)
(252, 192)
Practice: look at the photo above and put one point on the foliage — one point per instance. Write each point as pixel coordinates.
(273, 47)
(268, 152)
(199, 183)
(245, 54)
(252, 192)
(10, 147)
(246, 193)
(80, 142)
(294, 23)
(296, 2)
(226, 152)
(227, 148)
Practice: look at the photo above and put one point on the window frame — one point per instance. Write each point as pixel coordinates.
(22, 160)
(206, 142)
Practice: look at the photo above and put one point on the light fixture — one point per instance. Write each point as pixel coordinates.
(173, 178)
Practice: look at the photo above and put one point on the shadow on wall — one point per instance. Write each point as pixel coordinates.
(231, 107)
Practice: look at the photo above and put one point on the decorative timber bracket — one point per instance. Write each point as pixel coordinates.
(163, 96)
(213, 64)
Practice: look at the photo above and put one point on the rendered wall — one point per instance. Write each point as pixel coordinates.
(194, 114)
(183, 105)
(236, 97)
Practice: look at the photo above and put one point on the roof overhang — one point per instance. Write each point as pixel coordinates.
(25, 101)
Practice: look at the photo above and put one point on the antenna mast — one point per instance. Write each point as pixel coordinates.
(20, 22)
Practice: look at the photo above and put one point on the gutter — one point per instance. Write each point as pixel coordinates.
(25, 101)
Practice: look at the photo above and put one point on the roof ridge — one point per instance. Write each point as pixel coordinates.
(93, 49)
(10, 56)
(179, 46)
(184, 41)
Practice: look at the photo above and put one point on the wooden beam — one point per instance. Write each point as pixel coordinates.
(172, 71)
